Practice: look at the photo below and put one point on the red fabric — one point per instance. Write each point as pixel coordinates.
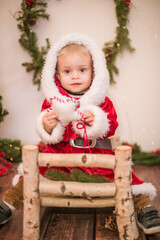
(65, 147)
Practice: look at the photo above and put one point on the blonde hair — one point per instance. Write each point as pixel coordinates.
(74, 48)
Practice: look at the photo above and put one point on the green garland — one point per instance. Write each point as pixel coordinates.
(32, 10)
(12, 149)
(3, 112)
(75, 175)
(122, 42)
(144, 158)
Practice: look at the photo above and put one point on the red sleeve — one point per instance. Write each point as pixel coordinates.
(112, 116)
(45, 105)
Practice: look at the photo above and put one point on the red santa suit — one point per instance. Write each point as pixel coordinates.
(70, 110)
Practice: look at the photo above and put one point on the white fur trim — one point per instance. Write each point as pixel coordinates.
(144, 188)
(18, 175)
(100, 125)
(55, 137)
(98, 90)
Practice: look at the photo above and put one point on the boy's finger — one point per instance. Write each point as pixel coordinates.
(51, 112)
(52, 122)
(89, 119)
(87, 114)
(51, 117)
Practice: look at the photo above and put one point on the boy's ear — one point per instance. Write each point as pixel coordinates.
(93, 74)
(57, 75)
(56, 71)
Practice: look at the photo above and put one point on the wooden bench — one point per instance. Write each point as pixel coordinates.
(43, 192)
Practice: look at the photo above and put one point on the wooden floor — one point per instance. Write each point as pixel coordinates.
(76, 224)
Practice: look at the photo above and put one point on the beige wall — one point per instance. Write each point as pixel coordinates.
(136, 95)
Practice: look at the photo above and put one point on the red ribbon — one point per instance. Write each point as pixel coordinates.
(86, 142)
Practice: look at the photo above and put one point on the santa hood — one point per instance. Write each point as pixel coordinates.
(97, 91)
(71, 110)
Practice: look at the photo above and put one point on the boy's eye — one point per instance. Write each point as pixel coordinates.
(82, 69)
(67, 71)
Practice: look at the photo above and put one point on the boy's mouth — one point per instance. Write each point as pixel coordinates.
(75, 84)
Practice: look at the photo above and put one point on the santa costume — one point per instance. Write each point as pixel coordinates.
(69, 132)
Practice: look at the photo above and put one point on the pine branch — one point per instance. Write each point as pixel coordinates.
(3, 112)
(30, 12)
(122, 41)
(81, 176)
(146, 158)
(57, 175)
(76, 175)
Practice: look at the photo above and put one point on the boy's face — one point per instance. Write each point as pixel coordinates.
(75, 71)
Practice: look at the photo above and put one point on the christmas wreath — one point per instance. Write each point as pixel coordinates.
(32, 10)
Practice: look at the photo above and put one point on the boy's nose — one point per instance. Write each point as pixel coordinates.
(74, 74)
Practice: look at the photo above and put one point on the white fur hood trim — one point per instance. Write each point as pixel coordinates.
(98, 90)
(145, 188)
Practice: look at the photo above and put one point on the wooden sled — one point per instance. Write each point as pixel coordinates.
(43, 192)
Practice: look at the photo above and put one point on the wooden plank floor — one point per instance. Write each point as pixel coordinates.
(75, 224)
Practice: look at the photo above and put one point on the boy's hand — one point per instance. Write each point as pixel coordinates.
(50, 121)
(88, 118)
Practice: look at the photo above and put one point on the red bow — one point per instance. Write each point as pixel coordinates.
(86, 142)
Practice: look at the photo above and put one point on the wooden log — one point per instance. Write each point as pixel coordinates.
(124, 202)
(77, 202)
(76, 160)
(31, 216)
(76, 189)
(115, 142)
